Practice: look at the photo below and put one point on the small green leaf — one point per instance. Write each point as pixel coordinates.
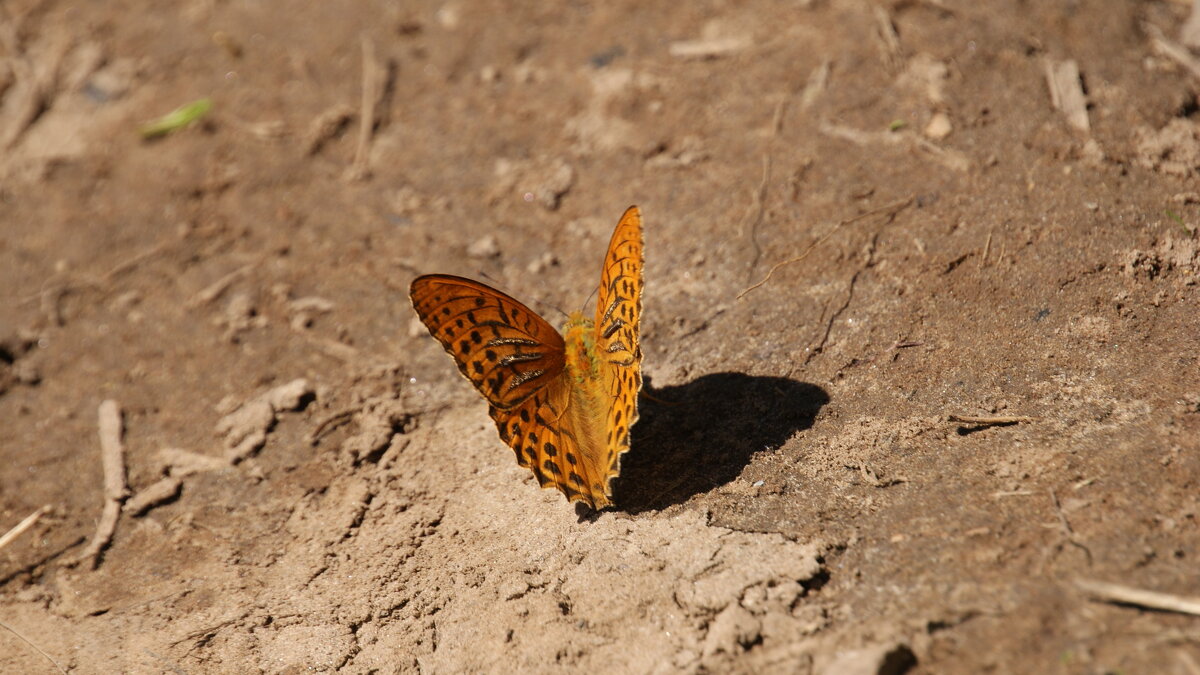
(897, 125)
(1175, 217)
(176, 119)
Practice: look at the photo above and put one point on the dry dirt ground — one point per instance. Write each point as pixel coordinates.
(311, 486)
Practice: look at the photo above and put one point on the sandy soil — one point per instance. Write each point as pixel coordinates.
(999, 204)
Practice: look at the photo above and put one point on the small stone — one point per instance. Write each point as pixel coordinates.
(541, 264)
(484, 247)
(449, 16)
(939, 126)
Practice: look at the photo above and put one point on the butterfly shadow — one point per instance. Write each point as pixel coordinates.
(696, 436)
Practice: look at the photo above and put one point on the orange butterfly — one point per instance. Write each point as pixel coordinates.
(564, 403)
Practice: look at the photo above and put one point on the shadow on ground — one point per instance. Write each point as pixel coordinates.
(696, 436)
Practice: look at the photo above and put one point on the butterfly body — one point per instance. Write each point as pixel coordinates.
(563, 402)
(583, 363)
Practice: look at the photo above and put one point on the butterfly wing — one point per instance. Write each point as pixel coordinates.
(618, 311)
(515, 359)
(506, 350)
(539, 432)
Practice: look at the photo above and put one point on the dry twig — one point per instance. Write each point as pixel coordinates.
(1172, 50)
(757, 208)
(1011, 493)
(1126, 595)
(325, 126)
(708, 48)
(989, 420)
(20, 527)
(154, 494)
(372, 92)
(39, 83)
(947, 157)
(888, 38)
(1066, 92)
(112, 455)
(817, 81)
(218, 287)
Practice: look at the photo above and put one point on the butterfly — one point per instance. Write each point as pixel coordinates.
(563, 402)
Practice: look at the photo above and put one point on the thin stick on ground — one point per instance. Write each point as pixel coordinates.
(112, 456)
(1127, 595)
(372, 91)
(892, 209)
(217, 288)
(757, 208)
(820, 346)
(36, 648)
(818, 80)
(889, 39)
(1172, 50)
(138, 259)
(20, 527)
(989, 420)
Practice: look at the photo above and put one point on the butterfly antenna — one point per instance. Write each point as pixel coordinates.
(555, 308)
(589, 297)
(489, 277)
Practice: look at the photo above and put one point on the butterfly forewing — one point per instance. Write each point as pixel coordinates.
(618, 311)
(506, 350)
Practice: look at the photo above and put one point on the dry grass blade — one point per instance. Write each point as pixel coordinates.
(1127, 595)
(372, 92)
(20, 527)
(989, 420)
(1172, 50)
(36, 648)
(1066, 92)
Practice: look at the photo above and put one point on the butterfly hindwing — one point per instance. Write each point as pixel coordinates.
(539, 434)
(505, 349)
(618, 312)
